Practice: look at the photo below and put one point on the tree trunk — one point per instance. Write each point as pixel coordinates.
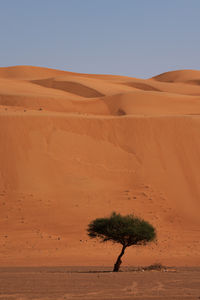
(119, 261)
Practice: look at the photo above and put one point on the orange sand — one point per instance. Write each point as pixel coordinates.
(76, 146)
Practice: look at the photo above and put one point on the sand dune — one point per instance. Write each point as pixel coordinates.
(178, 76)
(71, 87)
(76, 146)
(29, 72)
(142, 86)
(152, 103)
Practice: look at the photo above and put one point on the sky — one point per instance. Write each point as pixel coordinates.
(138, 38)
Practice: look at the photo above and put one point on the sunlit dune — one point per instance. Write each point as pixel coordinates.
(178, 76)
(79, 146)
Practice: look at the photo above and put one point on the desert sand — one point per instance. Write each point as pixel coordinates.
(74, 147)
(67, 283)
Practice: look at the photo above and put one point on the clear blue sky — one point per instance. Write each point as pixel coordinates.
(139, 38)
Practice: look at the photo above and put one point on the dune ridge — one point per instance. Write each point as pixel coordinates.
(178, 76)
(78, 146)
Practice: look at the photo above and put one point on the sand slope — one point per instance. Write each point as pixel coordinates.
(76, 146)
(179, 76)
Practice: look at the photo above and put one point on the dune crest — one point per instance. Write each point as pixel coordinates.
(178, 76)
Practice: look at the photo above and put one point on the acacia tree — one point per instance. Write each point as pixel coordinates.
(126, 230)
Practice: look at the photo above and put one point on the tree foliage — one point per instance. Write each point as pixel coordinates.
(126, 230)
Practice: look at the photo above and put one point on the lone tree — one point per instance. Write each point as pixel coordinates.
(125, 230)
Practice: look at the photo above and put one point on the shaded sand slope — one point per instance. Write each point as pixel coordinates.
(59, 169)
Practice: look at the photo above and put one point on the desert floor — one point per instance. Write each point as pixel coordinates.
(98, 283)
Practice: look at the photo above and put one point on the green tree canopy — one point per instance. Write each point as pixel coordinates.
(126, 230)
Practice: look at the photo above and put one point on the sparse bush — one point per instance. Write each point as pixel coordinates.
(121, 112)
(156, 266)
